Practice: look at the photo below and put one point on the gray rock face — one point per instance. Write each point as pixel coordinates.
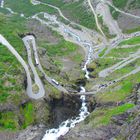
(131, 129)
(125, 126)
(129, 21)
(104, 133)
(32, 133)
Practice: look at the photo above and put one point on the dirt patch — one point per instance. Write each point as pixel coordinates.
(126, 22)
(67, 64)
(42, 32)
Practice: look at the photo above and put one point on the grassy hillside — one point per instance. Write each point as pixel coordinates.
(12, 75)
(61, 60)
(135, 4)
(96, 119)
(113, 103)
(75, 11)
(27, 8)
(10, 68)
(120, 3)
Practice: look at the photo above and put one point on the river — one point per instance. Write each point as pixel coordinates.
(64, 127)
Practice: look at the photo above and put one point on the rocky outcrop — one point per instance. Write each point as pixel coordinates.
(31, 133)
(124, 126)
(86, 133)
(130, 129)
(63, 108)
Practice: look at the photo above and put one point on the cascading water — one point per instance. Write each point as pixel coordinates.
(2, 4)
(64, 127)
(89, 58)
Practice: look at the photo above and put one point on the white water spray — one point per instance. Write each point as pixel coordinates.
(2, 4)
(64, 127)
(89, 58)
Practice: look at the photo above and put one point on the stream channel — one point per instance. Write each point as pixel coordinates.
(65, 126)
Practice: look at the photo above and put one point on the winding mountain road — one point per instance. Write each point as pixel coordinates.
(96, 18)
(103, 10)
(37, 80)
(83, 38)
(118, 10)
(30, 43)
(115, 42)
(30, 93)
(36, 2)
(119, 65)
(98, 88)
(83, 28)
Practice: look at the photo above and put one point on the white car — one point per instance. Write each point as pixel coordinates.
(55, 82)
(36, 61)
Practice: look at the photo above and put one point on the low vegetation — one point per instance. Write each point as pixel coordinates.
(61, 60)
(14, 25)
(120, 3)
(9, 68)
(12, 76)
(132, 41)
(135, 29)
(103, 52)
(75, 11)
(8, 120)
(27, 8)
(123, 52)
(114, 13)
(102, 117)
(118, 93)
(28, 112)
(63, 48)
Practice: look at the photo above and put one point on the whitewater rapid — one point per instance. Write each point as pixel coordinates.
(2, 4)
(89, 58)
(64, 127)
